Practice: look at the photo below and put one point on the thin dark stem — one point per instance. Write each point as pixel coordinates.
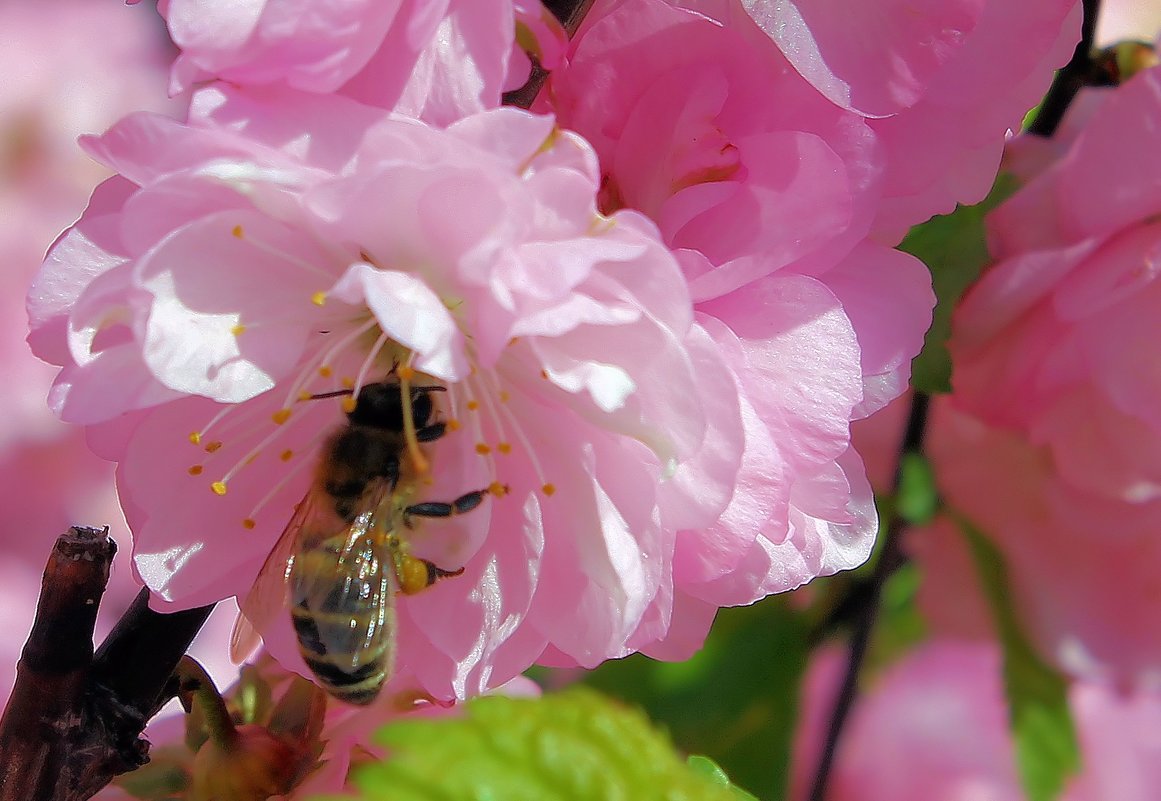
(863, 622)
(46, 703)
(1078, 72)
(571, 14)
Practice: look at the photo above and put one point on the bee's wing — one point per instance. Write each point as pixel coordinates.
(267, 597)
(342, 593)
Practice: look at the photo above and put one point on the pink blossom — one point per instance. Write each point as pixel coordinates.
(252, 258)
(1049, 342)
(436, 60)
(941, 83)
(1083, 567)
(766, 190)
(934, 727)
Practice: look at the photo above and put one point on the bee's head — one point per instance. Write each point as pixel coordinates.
(381, 406)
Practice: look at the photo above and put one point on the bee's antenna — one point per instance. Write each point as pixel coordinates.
(338, 393)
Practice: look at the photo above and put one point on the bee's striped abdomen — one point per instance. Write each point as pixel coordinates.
(343, 616)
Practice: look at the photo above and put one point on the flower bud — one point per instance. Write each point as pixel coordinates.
(251, 766)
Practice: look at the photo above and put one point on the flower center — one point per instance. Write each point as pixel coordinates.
(352, 352)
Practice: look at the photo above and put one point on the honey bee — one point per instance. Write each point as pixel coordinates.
(342, 557)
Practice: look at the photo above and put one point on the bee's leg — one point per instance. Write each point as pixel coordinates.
(417, 574)
(465, 503)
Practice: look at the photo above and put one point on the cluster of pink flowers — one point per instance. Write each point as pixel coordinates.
(1050, 445)
(656, 301)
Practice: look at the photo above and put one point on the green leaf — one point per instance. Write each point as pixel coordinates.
(953, 248)
(572, 746)
(918, 498)
(736, 701)
(706, 767)
(899, 626)
(1047, 752)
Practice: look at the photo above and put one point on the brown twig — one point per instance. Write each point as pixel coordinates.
(129, 682)
(571, 14)
(45, 707)
(1080, 71)
(863, 625)
(73, 721)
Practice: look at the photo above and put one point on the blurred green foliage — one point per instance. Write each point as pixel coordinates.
(735, 701)
(953, 247)
(1047, 752)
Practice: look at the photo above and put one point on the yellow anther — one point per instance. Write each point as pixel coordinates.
(453, 424)
(195, 438)
(498, 489)
(347, 382)
(325, 371)
(504, 396)
(286, 455)
(504, 447)
(238, 330)
(405, 373)
(513, 340)
(196, 470)
(280, 416)
(219, 487)
(482, 449)
(237, 231)
(349, 404)
(248, 523)
(304, 396)
(549, 489)
(318, 298)
(214, 446)
(473, 405)
(544, 374)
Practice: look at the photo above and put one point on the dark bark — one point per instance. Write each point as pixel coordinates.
(45, 709)
(74, 721)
